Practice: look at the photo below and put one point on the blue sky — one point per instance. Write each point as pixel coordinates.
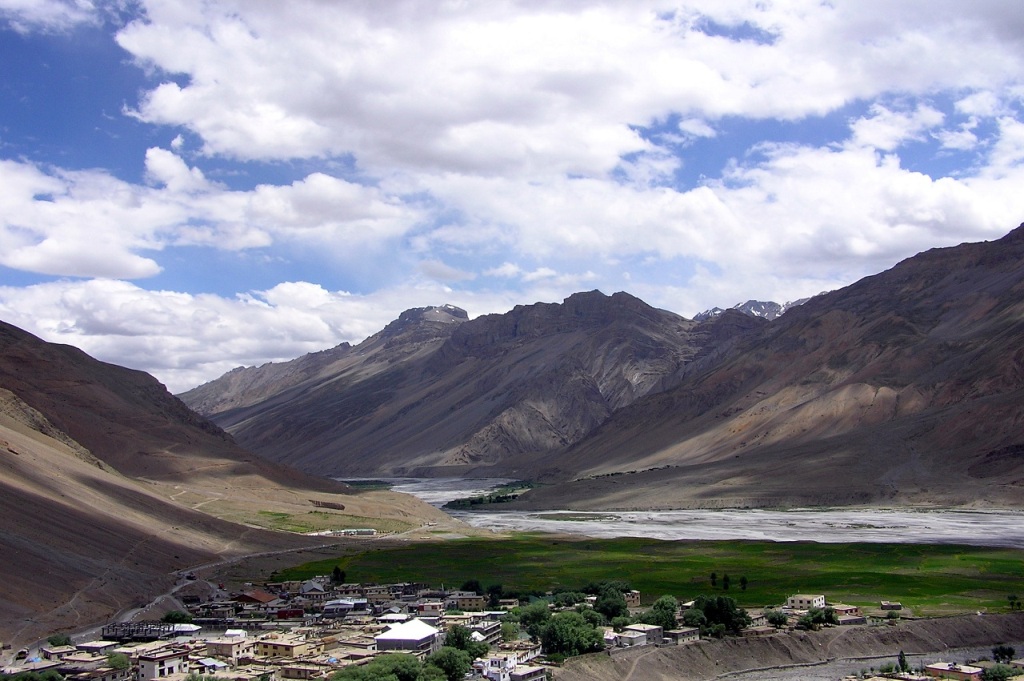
(186, 187)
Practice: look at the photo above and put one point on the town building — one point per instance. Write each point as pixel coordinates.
(414, 635)
(805, 601)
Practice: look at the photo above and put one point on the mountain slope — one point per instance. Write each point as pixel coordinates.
(108, 484)
(472, 396)
(906, 386)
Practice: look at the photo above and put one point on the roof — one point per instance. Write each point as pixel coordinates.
(413, 630)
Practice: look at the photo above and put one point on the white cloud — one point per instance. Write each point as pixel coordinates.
(25, 16)
(886, 129)
(536, 88)
(90, 224)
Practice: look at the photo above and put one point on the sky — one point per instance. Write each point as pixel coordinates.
(187, 186)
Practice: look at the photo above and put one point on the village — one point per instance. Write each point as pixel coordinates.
(310, 630)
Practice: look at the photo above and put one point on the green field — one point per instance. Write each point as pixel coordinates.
(930, 579)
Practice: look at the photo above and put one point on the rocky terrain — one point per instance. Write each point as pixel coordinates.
(108, 484)
(906, 387)
(450, 396)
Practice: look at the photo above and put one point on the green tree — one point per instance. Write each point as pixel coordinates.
(509, 631)
(620, 623)
(177, 617)
(473, 585)
(611, 603)
(59, 640)
(998, 672)
(1003, 653)
(338, 575)
(743, 583)
(714, 579)
(722, 610)
(495, 592)
(566, 599)
(902, 662)
(725, 581)
(118, 661)
(461, 638)
(568, 633)
(662, 613)
(806, 622)
(776, 618)
(694, 617)
(592, 616)
(533, 617)
(453, 662)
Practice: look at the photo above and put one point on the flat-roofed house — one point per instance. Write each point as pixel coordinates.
(805, 601)
(153, 666)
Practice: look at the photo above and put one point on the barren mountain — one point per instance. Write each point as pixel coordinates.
(443, 398)
(108, 484)
(907, 387)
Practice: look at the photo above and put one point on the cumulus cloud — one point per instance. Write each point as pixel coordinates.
(26, 16)
(535, 88)
(90, 224)
(533, 148)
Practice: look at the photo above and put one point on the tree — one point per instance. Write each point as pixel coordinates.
(725, 581)
(722, 610)
(474, 586)
(611, 603)
(59, 640)
(461, 638)
(592, 616)
(177, 617)
(1003, 653)
(567, 599)
(532, 617)
(620, 623)
(662, 613)
(494, 594)
(902, 662)
(509, 631)
(453, 662)
(714, 579)
(338, 575)
(743, 583)
(806, 622)
(403, 667)
(568, 633)
(998, 672)
(118, 661)
(776, 618)
(694, 617)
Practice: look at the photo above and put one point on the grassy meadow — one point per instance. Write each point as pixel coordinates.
(929, 579)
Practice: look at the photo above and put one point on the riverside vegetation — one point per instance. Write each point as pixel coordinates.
(929, 579)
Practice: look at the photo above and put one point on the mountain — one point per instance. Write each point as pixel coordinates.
(449, 396)
(753, 308)
(906, 387)
(108, 484)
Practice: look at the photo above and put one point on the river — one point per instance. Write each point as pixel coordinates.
(978, 528)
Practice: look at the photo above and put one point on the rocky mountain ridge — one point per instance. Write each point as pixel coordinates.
(904, 386)
(765, 309)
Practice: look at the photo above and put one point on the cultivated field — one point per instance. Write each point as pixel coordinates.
(928, 579)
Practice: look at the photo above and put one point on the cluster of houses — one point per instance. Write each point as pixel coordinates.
(306, 631)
